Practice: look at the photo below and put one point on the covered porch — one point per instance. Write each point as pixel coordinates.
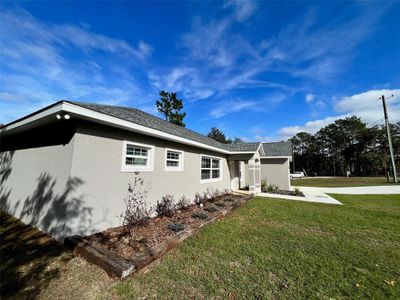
(245, 172)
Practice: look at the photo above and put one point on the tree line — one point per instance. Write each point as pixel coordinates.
(346, 145)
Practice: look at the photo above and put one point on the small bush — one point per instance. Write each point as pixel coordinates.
(211, 208)
(137, 212)
(263, 185)
(229, 199)
(272, 188)
(200, 215)
(183, 203)
(220, 204)
(176, 227)
(198, 199)
(297, 192)
(165, 207)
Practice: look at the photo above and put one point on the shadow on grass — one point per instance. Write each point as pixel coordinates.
(29, 259)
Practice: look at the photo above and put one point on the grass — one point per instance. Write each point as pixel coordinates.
(281, 249)
(29, 259)
(267, 249)
(340, 181)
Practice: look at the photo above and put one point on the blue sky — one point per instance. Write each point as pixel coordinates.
(257, 70)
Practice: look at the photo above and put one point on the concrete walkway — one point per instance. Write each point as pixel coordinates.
(309, 197)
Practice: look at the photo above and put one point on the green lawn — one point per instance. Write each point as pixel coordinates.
(340, 181)
(282, 249)
(267, 249)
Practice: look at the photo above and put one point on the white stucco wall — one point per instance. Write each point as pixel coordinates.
(276, 172)
(97, 161)
(35, 186)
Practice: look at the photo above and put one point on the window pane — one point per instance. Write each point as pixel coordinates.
(134, 150)
(172, 155)
(205, 174)
(134, 161)
(172, 163)
(129, 149)
(215, 174)
(205, 162)
(215, 163)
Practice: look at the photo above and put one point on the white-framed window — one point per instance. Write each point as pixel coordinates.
(210, 169)
(137, 157)
(173, 160)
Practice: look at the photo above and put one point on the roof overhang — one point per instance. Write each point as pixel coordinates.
(79, 112)
(287, 157)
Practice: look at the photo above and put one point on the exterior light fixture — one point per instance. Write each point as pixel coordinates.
(62, 115)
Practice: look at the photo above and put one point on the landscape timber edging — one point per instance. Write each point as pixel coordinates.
(121, 267)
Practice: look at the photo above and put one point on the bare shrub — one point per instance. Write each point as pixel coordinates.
(199, 199)
(137, 212)
(183, 203)
(166, 206)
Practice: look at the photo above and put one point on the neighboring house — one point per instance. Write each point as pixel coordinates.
(65, 168)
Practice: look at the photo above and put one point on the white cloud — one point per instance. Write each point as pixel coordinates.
(243, 9)
(309, 98)
(43, 62)
(368, 106)
(363, 105)
(228, 107)
(310, 126)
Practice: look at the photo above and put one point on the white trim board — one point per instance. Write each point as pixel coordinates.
(119, 123)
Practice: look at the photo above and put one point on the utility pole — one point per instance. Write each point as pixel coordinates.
(389, 137)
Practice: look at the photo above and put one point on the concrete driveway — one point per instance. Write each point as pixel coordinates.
(360, 190)
(319, 194)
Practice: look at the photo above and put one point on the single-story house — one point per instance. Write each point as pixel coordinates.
(65, 168)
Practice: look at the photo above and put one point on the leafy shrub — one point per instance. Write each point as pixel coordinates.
(263, 185)
(272, 188)
(200, 215)
(183, 203)
(137, 212)
(176, 227)
(297, 192)
(165, 207)
(211, 208)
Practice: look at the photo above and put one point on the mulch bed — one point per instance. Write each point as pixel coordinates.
(284, 192)
(132, 241)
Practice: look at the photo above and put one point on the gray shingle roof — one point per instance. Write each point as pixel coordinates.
(278, 149)
(142, 118)
(243, 147)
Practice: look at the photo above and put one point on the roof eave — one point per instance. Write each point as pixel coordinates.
(85, 113)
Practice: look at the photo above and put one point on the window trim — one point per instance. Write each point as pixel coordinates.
(181, 161)
(149, 167)
(211, 169)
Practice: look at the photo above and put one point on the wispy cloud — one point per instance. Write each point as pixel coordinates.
(228, 107)
(306, 50)
(243, 9)
(364, 105)
(219, 60)
(41, 63)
